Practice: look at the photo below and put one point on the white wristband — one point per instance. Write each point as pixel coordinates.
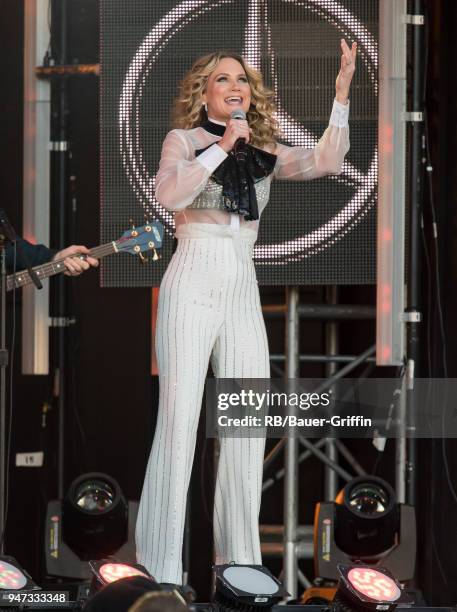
(212, 157)
(340, 114)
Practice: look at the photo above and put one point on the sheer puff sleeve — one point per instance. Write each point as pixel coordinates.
(180, 178)
(301, 164)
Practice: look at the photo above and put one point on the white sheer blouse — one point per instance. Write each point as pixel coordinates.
(184, 186)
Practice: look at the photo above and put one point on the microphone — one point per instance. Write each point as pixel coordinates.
(240, 147)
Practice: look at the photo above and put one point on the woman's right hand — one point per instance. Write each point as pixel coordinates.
(234, 129)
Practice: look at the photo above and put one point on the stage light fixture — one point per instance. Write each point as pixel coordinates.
(107, 571)
(94, 521)
(16, 585)
(94, 516)
(365, 524)
(13, 577)
(365, 589)
(367, 517)
(252, 586)
(121, 593)
(116, 586)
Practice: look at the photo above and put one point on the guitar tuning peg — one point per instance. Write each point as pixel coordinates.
(132, 223)
(143, 259)
(151, 245)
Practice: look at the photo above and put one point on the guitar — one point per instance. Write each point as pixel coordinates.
(134, 241)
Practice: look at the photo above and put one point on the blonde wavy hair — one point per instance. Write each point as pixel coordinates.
(188, 112)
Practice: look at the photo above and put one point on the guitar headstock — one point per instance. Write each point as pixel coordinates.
(138, 240)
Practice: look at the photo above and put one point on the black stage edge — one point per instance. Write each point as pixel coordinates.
(208, 607)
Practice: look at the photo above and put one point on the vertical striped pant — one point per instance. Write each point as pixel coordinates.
(209, 308)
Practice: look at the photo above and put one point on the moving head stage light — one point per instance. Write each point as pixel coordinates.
(94, 516)
(365, 524)
(92, 522)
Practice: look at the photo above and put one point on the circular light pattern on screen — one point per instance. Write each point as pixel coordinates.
(142, 181)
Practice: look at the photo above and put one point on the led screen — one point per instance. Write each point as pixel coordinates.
(315, 232)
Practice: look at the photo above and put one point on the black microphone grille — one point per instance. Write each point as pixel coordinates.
(238, 113)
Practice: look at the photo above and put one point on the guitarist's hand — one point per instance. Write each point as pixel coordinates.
(74, 264)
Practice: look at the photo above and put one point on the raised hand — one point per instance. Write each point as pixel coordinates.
(347, 69)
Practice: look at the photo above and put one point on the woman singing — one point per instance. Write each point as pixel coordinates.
(209, 305)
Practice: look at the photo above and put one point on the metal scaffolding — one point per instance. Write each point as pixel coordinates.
(293, 541)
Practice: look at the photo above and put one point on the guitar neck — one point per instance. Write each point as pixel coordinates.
(21, 279)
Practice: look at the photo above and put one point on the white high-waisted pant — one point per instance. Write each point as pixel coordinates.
(209, 308)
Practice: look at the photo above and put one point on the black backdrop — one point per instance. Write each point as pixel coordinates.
(115, 399)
